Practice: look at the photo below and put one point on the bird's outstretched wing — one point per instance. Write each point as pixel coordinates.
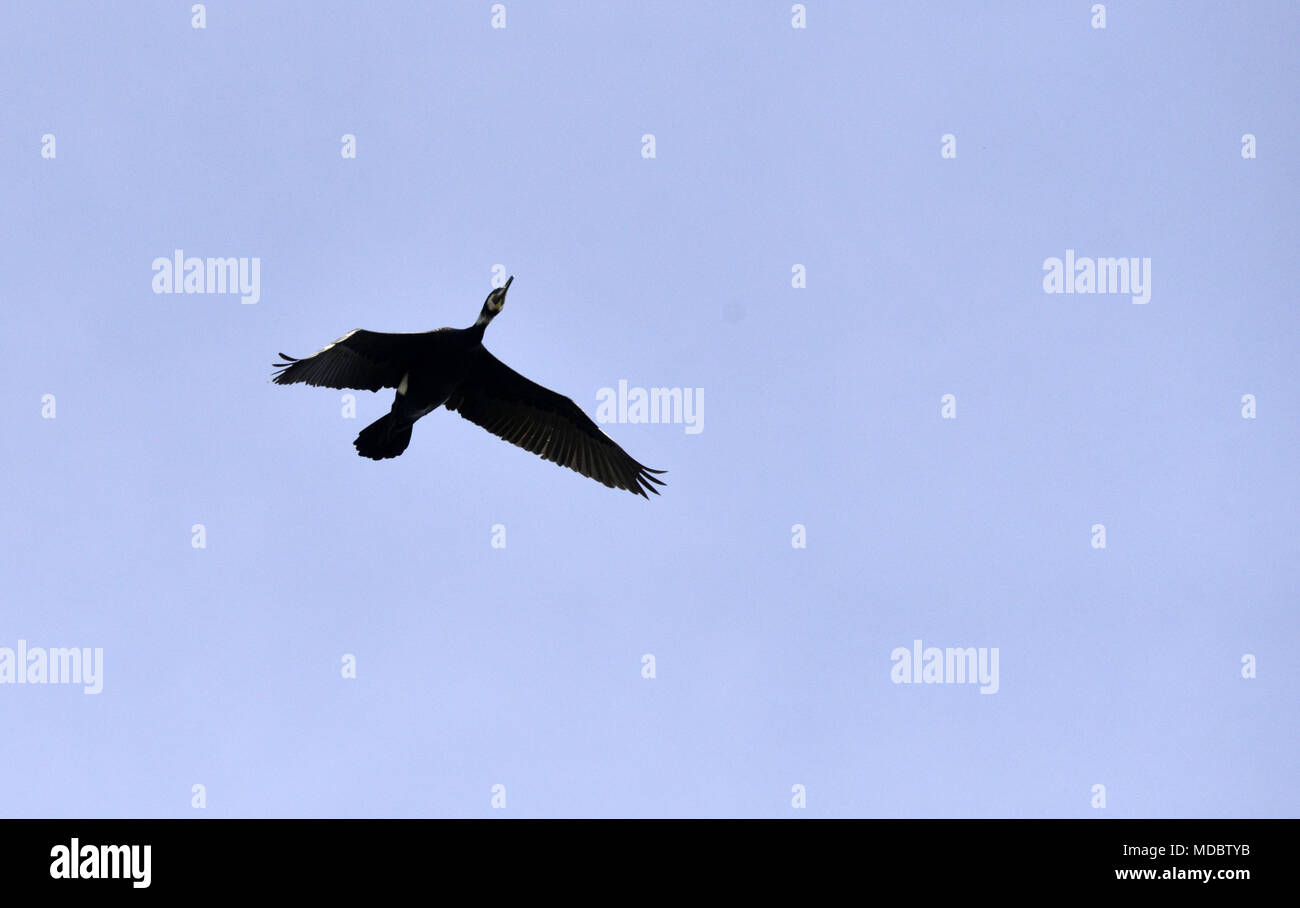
(362, 360)
(499, 399)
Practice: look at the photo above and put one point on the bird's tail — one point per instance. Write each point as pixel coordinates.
(383, 438)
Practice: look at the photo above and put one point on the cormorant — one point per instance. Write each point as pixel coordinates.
(451, 367)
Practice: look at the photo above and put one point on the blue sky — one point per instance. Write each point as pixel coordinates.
(522, 666)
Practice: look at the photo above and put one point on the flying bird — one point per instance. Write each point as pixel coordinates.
(451, 367)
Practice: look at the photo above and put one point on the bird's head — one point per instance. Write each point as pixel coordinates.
(495, 302)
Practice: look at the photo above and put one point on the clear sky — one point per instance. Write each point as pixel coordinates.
(774, 665)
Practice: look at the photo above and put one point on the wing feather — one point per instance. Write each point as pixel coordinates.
(522, 412)
(361, 360)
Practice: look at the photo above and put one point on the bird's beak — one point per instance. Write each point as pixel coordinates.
(506, 285)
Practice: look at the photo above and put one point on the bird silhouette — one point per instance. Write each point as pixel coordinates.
(451, 367)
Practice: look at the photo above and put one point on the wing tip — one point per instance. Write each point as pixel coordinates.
(644, 480)
(286, 363)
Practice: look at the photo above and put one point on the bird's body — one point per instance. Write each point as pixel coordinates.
(451, 367)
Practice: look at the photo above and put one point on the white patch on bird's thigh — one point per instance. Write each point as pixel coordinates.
(401, 389)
